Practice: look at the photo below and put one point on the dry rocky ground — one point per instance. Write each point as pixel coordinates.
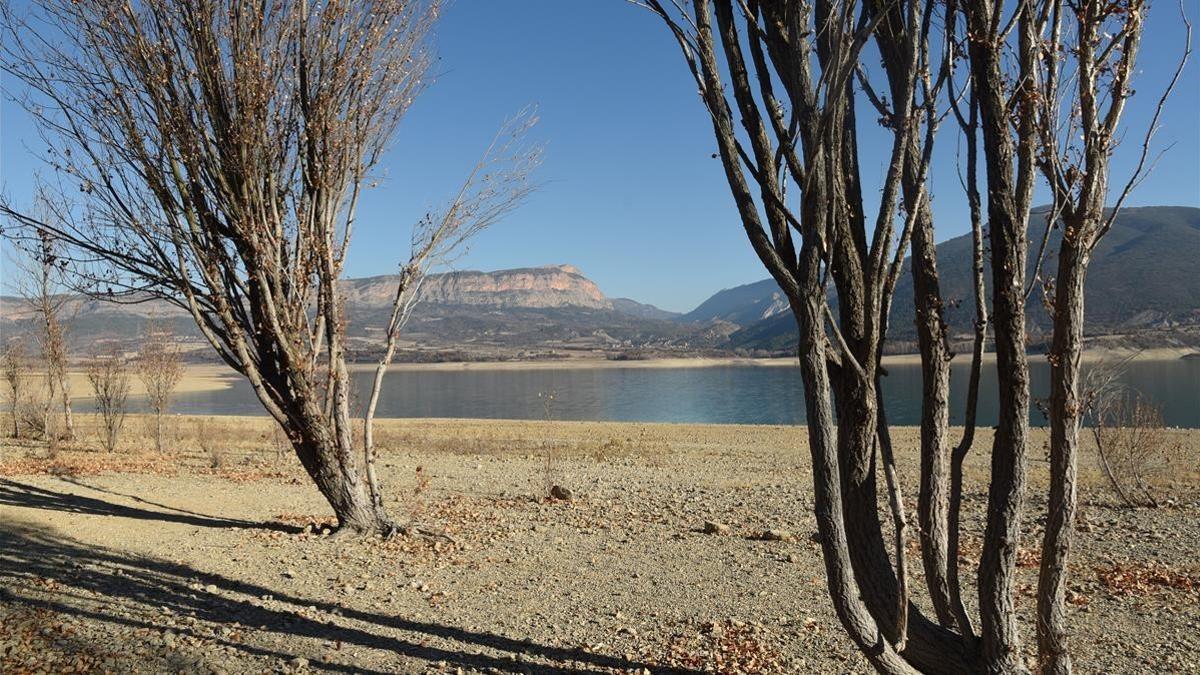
(215, 558)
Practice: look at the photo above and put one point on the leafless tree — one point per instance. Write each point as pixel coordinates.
(496, 185)
(109, 377)
(40, 267)
(221, 148)
(805, 136)
(1088, 64)
(15, 366)
(159, 367)
(782, 82)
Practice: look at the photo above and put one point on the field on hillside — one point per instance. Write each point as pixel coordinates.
(215, 557)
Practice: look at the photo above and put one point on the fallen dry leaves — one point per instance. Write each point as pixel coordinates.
(727, 647)
(35, 640)
(1145, 578)
(87, 464)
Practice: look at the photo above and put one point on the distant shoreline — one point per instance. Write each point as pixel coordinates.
(210, 377)
(214, 377)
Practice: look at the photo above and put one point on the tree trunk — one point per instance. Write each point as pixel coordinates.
(831, 523)
(68, 419)
(933, 499)
(1009, 170)
(338, 474)
(1065, 412)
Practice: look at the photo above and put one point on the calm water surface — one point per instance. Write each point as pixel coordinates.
(722, 394)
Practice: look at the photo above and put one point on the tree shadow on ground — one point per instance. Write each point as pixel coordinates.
(13, 493)
(116, 588)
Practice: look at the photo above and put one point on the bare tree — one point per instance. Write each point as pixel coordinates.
(15, 367)
(1093, 46)
(496, 185)
(222, 148)
(40, 268)
(159, 367)
(109, 377)
(781, 82)
(805, 136)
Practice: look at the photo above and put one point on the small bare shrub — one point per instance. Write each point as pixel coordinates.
(280, 443)
(1136, 452)
(205, 437)
(549, 449)
(15, 367)
(160, 367)
(416, 506)
(109, 377)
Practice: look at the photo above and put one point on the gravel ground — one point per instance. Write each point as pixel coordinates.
(218, 561)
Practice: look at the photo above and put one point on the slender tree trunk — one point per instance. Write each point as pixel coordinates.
(65, 394)
(997, 567)
(1008, 175)
(933, 500)
(1065, 412)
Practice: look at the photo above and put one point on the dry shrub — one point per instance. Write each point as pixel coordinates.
(549, 448)
(416, 504)
(205, 439)
(109, 377)
(1136, 452)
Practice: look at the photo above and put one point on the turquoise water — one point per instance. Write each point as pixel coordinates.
(722, 394)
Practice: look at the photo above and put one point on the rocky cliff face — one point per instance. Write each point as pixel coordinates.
(531, 287)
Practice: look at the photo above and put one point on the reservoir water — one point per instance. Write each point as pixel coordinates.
(734, 394)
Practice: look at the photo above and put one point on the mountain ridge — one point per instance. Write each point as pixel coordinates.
(1142, 276)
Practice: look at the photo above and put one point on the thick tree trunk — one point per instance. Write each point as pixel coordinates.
(1065, 413)
(338, 474)
(831, 523)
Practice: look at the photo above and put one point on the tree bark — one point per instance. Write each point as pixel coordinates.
(1065, 413)
(1007, 221)
(338, 475)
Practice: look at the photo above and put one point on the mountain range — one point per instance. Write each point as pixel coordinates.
(1142, 279)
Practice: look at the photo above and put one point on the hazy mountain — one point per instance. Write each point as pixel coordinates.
(742, 305)
(641, 309)
(1143, 275)
(469, 314)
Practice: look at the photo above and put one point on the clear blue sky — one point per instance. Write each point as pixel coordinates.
(631, 194)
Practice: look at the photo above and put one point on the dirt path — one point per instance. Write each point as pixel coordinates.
(172, 565)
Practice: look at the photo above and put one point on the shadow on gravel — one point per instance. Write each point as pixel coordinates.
(13, 493)
(86, 580)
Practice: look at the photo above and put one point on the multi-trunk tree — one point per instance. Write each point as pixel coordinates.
(217, 150)
(785, 85)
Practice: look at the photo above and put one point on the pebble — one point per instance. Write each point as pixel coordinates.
(711, 527)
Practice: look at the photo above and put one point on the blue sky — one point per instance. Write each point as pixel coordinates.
(630, 192)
